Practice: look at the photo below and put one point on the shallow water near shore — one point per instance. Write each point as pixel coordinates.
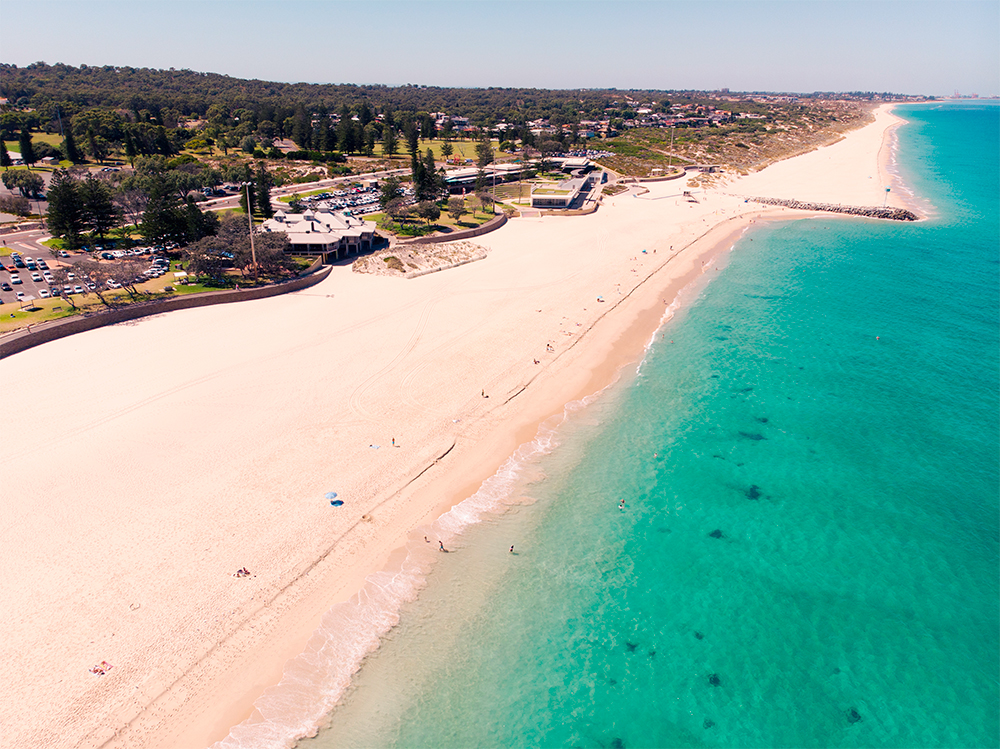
(808, 551)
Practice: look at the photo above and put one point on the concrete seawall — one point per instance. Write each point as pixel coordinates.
(494, 223)
(50, 331)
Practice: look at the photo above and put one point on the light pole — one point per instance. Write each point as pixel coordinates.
(253, 251)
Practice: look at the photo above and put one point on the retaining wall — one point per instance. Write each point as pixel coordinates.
(494, 223)
(20, 227)
(51, 331)
(665, 178)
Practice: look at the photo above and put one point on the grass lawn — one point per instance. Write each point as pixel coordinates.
(460, 149)
(418, 227)
(300, 195)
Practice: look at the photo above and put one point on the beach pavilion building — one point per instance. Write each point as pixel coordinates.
(560, 195)
(332, 235)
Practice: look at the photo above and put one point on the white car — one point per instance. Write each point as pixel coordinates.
(43, 293)
(14, 278)
(78, 289)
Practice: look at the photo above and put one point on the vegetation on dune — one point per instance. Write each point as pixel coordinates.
(743, 146)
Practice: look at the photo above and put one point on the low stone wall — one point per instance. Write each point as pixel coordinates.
(494, 223)
(893, 214)
(665, 178)
(20, 227)
(51, 331)
(594, 205)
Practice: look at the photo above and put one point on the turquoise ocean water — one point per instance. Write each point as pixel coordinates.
(808, 554)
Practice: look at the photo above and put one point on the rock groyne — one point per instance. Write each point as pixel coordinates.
(892, 214)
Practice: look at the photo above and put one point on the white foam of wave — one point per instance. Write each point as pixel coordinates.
(897, 182)
(684, 297)
(315, 680)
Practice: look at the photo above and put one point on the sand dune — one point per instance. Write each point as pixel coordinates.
(146, 463)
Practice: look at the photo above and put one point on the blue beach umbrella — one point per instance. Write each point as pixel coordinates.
(331, 495)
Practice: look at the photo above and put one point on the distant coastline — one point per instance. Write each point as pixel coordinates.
(550, 317)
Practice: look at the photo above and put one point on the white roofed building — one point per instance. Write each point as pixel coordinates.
(335, 236)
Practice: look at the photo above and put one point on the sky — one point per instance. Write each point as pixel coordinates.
(803, 46)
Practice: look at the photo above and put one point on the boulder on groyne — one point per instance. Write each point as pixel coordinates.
(893, 214)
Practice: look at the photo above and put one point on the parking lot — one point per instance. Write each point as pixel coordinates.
(24, 278)
(357, 200)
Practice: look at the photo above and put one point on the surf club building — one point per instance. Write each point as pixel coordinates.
(334, 236)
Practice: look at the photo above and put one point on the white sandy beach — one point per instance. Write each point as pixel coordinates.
(145, 463)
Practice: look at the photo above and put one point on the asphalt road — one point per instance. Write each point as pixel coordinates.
(28, 243)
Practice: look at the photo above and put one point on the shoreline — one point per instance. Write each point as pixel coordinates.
(619, 350)
(227, 669)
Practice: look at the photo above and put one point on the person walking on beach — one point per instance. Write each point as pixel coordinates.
(441, 544)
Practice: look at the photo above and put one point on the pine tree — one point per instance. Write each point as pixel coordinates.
(95, 145)
(417, 175)
(345, 132)
(262, 186)
(99, 212)
(65, 216)
(130, 150)
(4, 156)
(70, 152)
(326, 139)
(389, 142)
(412, 136)
(164, 219)
(365, 114)
(27, 151)
(434, 183)
(162, 143)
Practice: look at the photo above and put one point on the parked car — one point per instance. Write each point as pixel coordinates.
(63, 253)
(36, 277)
(15, 278)
(20, 296)
(43, 293)
(6, 286)
(78, 289)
